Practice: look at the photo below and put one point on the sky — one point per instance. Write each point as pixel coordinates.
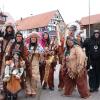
(70, 10)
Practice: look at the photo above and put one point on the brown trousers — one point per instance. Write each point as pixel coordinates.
(51, 78)
(61, 79)
(62, 73)
(80, 82)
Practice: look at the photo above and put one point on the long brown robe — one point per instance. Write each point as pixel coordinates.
(34, 78)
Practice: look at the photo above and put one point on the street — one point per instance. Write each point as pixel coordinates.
(57, 95)
(34, 34)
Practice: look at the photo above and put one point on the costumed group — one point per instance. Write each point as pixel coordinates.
(25, 63)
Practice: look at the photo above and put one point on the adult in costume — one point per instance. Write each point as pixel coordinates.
(62, 52)
(33, 75)
(45, 41)
(5, 42)
(14, 66)
(51, 61)
(75, 70)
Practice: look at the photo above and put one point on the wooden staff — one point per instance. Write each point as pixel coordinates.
(58, 34)
(65, 35)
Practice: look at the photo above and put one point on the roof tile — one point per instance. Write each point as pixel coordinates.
(93, 19)
(36, 21)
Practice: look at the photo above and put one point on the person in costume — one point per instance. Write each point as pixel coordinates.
(76, 74)
(15, 62)
(50, 56)
(45, 41)
(6, 42)
(33, 75)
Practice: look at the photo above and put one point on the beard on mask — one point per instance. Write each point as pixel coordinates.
(9, 36)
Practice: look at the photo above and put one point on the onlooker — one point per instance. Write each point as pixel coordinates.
(92, 46)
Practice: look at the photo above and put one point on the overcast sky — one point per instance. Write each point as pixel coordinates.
(70, 10)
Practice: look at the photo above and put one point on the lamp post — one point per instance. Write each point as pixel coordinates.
(89, 19)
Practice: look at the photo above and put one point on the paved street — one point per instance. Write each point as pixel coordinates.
(57, 95)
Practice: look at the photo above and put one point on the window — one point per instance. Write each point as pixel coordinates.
(37, 29)
(30, 30)
(57, 16)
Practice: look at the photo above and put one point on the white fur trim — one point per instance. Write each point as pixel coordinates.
(1, 38)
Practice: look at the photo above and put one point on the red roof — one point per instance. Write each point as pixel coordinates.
(93, 19)
(36, 21)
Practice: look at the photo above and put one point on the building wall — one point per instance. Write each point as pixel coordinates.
(92, 28)
(50, 27)
(87, 30)
(40, 29)
(2, 19)
(57, 18)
